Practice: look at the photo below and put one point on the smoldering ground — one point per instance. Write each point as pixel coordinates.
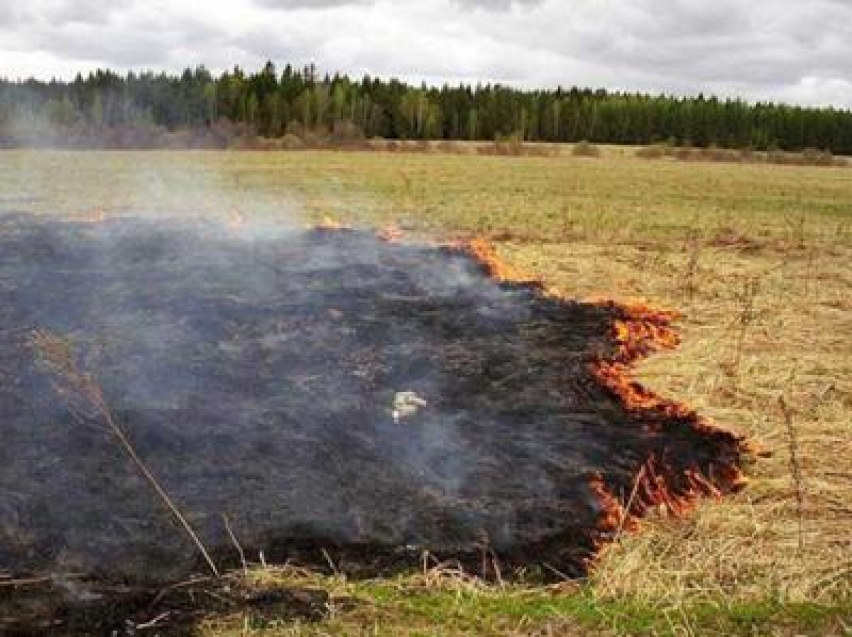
(256, 374)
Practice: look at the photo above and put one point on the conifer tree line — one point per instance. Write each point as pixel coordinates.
(108, 109)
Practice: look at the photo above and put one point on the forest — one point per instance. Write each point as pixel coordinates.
(104, 109)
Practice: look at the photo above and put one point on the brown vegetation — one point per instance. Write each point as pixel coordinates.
(807, 157)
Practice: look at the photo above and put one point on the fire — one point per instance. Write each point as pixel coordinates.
(391, 233)
(236, 219)
(96, 215)
(659, 486)
(613, 515)
(329, 223)
(483, 251)
(639, 332)
(616, 378)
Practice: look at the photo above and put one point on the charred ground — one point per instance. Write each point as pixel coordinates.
(256, 373)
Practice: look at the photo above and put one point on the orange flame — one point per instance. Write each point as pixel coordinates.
(236, 219)
(483, 251)
(613, 515)
(329, 223)
(96, 215)
(391, 233)
(639, 332)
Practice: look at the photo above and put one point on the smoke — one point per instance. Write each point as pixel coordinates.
(255, 370)
(31, 121)
(157, 185)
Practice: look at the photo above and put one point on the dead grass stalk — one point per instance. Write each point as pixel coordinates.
(57, 355)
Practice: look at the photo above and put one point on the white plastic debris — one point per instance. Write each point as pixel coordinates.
(406, 404)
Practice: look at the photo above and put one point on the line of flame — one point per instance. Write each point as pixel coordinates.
(391, 233)
(639, 332)
(96, 215)
(330, 223)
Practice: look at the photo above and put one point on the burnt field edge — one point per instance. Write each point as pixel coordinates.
(672, 485)
(665, 483)
(668, 485)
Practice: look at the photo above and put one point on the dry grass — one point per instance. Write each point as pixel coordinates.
(747, 546)
(756, 257)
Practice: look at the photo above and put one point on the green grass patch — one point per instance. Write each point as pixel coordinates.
(407, 606)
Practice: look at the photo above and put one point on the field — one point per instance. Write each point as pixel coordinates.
(756, 258)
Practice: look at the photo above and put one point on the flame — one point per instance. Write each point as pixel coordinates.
(329, 223)
(236, 219)
(483, 251)
(392, 233)
(656, 488)
(613, 514)
(638, 332)
(96, 215)
(658, 485)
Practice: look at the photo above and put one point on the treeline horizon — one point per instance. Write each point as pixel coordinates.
(197, 109)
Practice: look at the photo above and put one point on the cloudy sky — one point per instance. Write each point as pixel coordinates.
(792, 50)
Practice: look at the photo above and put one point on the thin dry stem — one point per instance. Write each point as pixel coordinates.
(236, 544)
(795, 467)
(70, 381)
(744, 320)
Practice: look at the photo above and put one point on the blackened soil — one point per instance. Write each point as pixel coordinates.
(256, 373)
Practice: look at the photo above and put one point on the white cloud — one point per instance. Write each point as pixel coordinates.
(777, 49)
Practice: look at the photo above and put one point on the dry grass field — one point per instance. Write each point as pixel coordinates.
(757, 259)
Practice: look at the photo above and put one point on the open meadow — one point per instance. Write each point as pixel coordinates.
(756, 259)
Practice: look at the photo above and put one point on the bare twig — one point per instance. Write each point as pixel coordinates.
(795, 467)
(558, 573)
(58, 356)
(180, 585)
(626, 513)
(154, 623)
(745, 319)
(31, 581)
(236, 544)
(498, 572)
(689, 284)
(330, 562)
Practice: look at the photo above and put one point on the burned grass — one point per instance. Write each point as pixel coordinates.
(260, 379)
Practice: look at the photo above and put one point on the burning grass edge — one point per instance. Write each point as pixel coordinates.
(638, 332)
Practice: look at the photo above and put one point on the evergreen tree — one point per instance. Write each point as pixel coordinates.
(104, 104)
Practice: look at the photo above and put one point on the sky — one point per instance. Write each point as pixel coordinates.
(797, 51)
